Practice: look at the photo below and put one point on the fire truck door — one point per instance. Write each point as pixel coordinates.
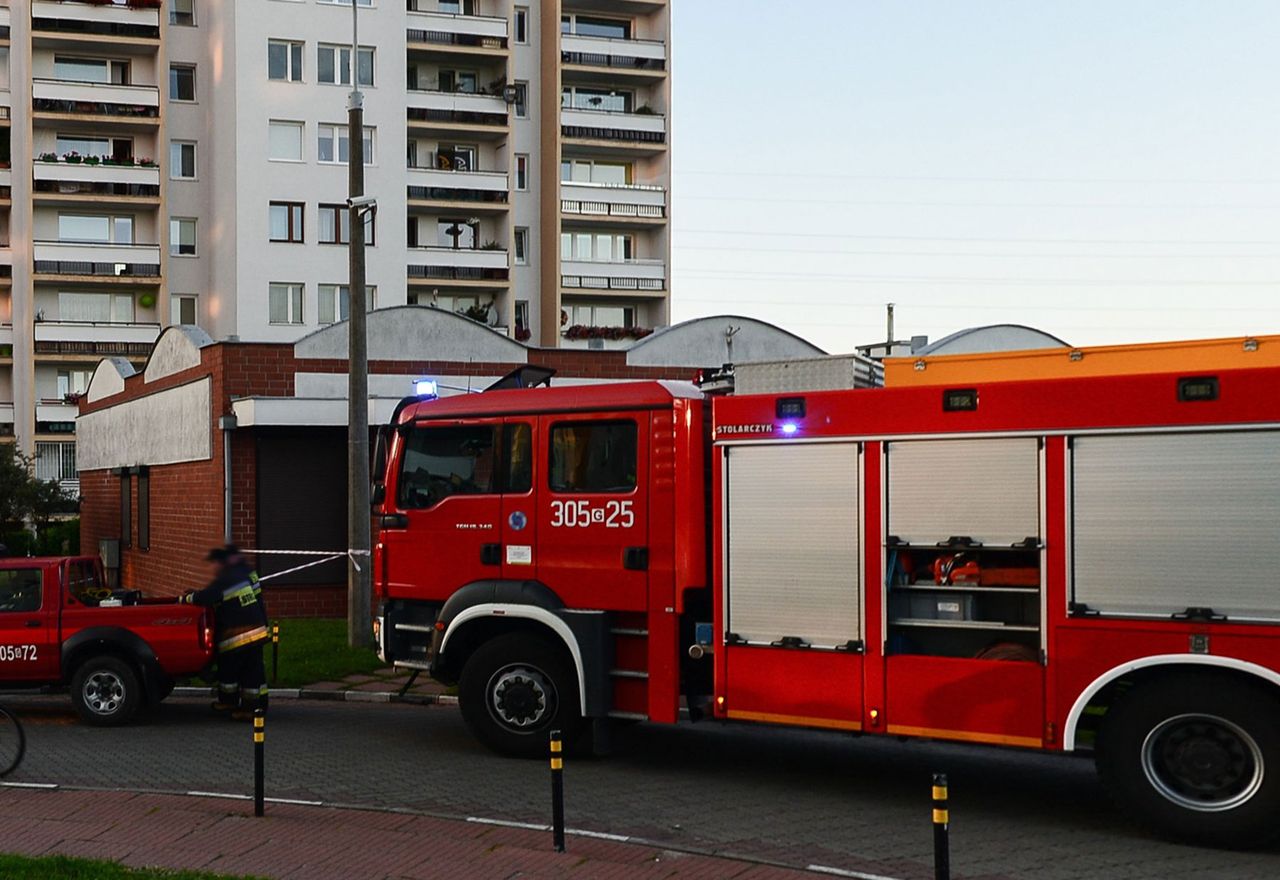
(446, 497)
(519, 525)
(592, 511)
(28, 624)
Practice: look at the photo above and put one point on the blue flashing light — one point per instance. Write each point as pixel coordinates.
(789, 428)
(426, 388)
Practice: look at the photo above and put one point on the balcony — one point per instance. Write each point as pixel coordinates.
(136, 23)
(6, 418)
(643, 277)
(612, 127)
(63, 180)
(56, 411)
(624, 203)
(593, 57)
(63, 101)
(475, 267)
(134, 263)
(458, 113)
(94, 340)
(475, 190)
(6, 341)
(448, 33)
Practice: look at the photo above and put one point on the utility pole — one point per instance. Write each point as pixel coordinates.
(359, 563)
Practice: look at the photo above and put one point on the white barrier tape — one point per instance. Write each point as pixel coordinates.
(329, 556)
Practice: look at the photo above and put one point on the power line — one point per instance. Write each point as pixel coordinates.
(865, 253)
(901, 304)
(960, 179)
(1104, 241)
(912, 203)
(944, 279)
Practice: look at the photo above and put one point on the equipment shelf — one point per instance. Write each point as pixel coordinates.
(961, 624)
(967, 588)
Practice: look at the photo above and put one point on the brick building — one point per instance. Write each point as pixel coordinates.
(248, 440)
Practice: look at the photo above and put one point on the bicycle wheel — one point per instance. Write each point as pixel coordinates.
(13, 742)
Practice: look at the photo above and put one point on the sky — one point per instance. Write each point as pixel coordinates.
(1104, 170)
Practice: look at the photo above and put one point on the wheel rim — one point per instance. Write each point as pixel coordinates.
(103, 692)
(1202, 762)
(521, 697)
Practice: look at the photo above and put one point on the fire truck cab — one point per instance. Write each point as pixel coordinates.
(1067, 564)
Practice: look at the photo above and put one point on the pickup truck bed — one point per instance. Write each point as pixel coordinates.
(116, 651)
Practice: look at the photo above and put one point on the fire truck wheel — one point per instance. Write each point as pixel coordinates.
(1196, 758)
(106, 690)
(514, 690)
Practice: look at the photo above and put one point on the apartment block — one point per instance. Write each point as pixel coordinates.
(184, 162)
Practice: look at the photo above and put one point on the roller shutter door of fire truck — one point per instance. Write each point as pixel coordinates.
(793, 536)
(1166, 522)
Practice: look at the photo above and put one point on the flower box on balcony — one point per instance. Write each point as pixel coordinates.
(583, 331)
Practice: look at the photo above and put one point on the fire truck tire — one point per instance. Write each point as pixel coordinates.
(514, 690)
(1196, 758)
(106, 691)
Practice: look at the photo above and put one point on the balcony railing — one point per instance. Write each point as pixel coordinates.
(99, 178)
(649, 55)
(138, 19)
(449, 29)
(639, 275)
(460, 264)
(456, 107)
(434, 184)
(6, 340)
(95, 338)
(6, 416)
(80, 258)
(613, 125)
(613, 200)
(95, 99)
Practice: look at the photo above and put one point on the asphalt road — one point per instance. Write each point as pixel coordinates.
(794, 797)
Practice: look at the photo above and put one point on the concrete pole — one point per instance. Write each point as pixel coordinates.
(359, 565)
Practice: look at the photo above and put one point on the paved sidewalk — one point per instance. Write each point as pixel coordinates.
(316, 843)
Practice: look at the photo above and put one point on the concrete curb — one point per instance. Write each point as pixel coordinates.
(335, 696)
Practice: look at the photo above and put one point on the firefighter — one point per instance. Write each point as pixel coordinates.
(240, 625)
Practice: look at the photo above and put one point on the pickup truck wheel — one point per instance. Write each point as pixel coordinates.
(514, 690)
(1196, 758)
(106, 691)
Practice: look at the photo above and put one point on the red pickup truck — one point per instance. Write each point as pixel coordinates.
(61, 626)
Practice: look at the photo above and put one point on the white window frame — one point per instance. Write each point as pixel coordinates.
(173, 12)
(522, 172)
(341, 69)
(176, 301)
(183, 65)
(295, 293)
(520, 245)
(521, 105)
(330, 301)
(299, 128)
(337, 133)
(175, 168)
(520, 25)
(175, 240)
(112, 221)
(294, 65)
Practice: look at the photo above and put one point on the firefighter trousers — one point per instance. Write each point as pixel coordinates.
(242, 678)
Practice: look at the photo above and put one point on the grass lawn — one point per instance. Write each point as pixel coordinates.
(63, 868)
(316, 650)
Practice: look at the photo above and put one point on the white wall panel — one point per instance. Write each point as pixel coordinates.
(162, 428)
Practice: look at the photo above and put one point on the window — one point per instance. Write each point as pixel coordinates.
(182, 12)
(182, 237)
(602, 316)
(589, 171)
(96, 228)
(466, 82)
(21, 589)
(73, 382)
(522, 100)
(333, 145)
(94, 70)
(103, 308)
(522, 25)
(593, 457)
(126, 511)
(333, 64)
(284, 60)
(335, 302)
(91, 145)
(182, 160)
(4, 68)
(445, 461)
(522, 314)
(517, 449)
(522, 245)
(182, 82)
(522, 172)
(597, 248)
(593, 98)
(144, 510)
(458, 7)
(284, 141)
(335, 225)
(285, 303)
(595, 26)
(458, 234)
(457, 157)
(56, 461)
(286, 221)
(183, 309)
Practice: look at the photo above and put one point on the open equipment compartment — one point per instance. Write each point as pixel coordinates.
(963, 548)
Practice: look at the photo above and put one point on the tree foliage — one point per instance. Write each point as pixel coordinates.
(23, 498)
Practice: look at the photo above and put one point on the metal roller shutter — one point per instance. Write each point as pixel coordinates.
(1166, 522)
(988, 490)
(302, 502)
(793, 542)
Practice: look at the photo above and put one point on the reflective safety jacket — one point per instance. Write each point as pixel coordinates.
(239, 615)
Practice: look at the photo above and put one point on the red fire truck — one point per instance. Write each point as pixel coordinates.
(1064, 565)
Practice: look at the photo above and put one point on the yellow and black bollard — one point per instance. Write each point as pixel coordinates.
(557, 791)
(275, 651)
(941, 829)
(259, 746)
